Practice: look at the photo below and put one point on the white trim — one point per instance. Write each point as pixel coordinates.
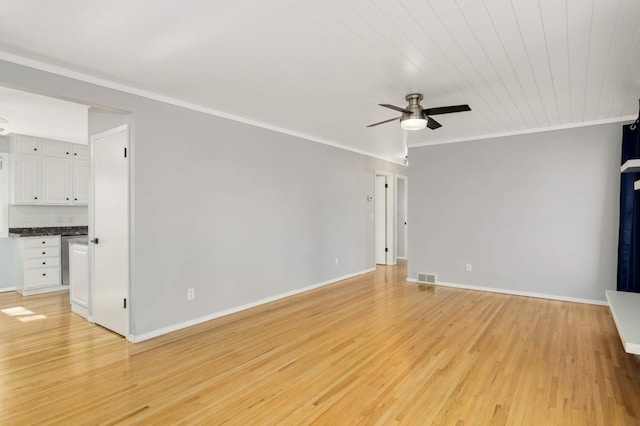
(65, 72)
(185, 324)
(44, 290)
(406, 215)
(4, 194)
(528, 131)
(7, 288)
(388, 225)
(517, 293)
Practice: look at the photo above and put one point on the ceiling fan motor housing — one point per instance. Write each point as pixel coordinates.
(416, 113)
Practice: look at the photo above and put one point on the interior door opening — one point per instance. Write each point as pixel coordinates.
(385, 252)
(402, 221)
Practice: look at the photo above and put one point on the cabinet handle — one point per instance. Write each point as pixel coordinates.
(67, 153)
(44, 275)
(67, 198)
(44, 242)
(75, 153)
(75, 199)
(35, 149)
(35, 198)
(44, 263)
(44, 252)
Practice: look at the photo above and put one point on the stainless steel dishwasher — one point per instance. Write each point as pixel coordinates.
(65, 254)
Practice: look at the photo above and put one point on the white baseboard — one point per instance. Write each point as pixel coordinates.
(155, 333)
(44, 290)
(517, 293)
(402, 258)
(7, 288)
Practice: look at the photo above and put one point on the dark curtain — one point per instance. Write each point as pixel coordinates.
(629, 237)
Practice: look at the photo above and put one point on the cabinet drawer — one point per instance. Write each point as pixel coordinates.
(41, 277)
(42, 242)
(42, 252)
(43, 262)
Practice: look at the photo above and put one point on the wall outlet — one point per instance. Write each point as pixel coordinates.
(468, 267)
(337, 261)
(191, 293)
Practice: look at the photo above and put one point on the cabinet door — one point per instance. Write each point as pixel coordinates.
(56, 149)
(80, 182)
(80, 152)
(79, 274)
(25, 186)
(27, 145)
(55, 181)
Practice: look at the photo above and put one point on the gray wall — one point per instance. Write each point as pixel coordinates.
(237, 212)
(6, 263)
(4, 144)
(534, 213)
(101, 120)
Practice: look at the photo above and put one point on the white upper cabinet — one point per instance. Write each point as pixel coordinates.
(80, 152)
(26, 145)
(56, 182)
(56, 149)
(80, 179)
(25, 179)
(48, 172)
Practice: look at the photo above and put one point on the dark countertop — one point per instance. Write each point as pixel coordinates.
(52, 230)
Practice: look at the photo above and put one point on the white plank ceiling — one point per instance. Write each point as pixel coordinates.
(319, 68)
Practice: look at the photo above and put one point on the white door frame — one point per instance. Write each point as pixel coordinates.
(118, 129)
(390, 217)
(405, 181)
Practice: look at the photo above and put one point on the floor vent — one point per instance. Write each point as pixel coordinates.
(423, 277)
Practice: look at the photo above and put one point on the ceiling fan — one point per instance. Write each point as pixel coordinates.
(414, 117)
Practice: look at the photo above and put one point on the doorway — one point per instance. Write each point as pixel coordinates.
(384, 219)
(401, 222)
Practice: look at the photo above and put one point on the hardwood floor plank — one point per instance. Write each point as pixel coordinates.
(373, 349)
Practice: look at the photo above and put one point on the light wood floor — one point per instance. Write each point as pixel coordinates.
(369, 350)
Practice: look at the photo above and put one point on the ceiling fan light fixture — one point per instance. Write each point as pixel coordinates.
(413, 123)
(415, 117)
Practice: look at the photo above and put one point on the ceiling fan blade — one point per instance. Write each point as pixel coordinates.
(385, 121)
(432, 124)
(395, 108)
(447, 109)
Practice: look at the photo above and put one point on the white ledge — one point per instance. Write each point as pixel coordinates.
(631, 166)
(625, 309)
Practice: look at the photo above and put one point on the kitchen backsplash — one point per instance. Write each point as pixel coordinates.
(41, 216)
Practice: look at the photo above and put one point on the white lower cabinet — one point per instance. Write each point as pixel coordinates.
(38, 265)
(79, 278)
